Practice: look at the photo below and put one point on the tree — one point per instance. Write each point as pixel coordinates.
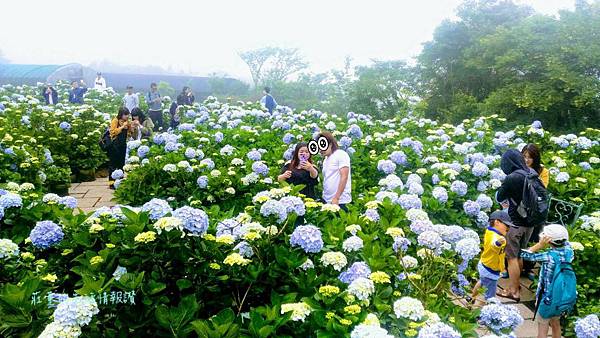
(273, 64)
(384, 90)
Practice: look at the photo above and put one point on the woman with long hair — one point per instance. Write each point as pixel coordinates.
(142, 124)
(120, 129)
(301, 170)
(533, 159)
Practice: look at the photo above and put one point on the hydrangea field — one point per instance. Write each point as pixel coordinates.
(203, 242)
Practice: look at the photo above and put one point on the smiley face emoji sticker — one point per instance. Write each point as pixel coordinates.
(322, 144)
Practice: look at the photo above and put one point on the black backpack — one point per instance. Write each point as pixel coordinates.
(535, 203)
(105, 141)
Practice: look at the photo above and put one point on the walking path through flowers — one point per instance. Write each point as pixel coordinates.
(92, 195)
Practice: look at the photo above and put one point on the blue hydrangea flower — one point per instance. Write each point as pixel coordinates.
(288, 154)
(157, 208)
(10, 200)
(459, 187)
(440, 194)
(288, 138)
(484, 201)
(352, 243)
(202, 182)
(354, 132)
(190, 153)
(350, 151)
(345, 142)
(482, 186)
(480, 169)
(408, 201)
(415, 188)
(254, 155)
(260, 168)
(371, 215)
(46, 234)
(131, 145)
(482, 219)
(143, 151)
(117, 174)
(399, 158)
(274, 208)
(8, 248)
(186, 127)
(431, 240)
(467, 248)
(210, 164)
(66, 126)
(56, 298)
(171, 147)
(219, 137)
(401, 243)
(308, 237)
(588, 327)
(76, 311)
(244, 249)
(562, 177)
(119, 272)
(355, 271)
(68, 201)
(585, 166)
(419, 226)
(48, 157)
(500, 318)
(194, 220)
(438, 330)
(294, 204)
(471, 208)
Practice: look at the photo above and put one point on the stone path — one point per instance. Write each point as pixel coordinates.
(92, 195)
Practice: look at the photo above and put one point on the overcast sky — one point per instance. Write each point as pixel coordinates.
(200, 37)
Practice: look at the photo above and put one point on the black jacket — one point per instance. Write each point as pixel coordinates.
(47, 96)
(512, 187)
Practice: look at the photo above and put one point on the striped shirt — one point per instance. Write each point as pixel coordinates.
(565, 254)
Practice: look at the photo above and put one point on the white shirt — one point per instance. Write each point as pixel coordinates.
(331, 177)
(50, 99)
(131, 101)
(100, 83)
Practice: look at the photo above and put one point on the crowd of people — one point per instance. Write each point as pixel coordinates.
(506, 244)
(506, 251)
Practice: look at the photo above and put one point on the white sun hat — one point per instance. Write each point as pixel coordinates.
(556, 232)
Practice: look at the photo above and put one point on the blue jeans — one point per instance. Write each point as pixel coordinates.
(490, 287)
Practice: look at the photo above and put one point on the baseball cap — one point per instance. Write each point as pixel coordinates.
(556, 232)
(502, 217)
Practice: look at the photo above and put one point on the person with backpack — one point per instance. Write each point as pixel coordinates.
(120, 130)
(154, 102)
(527, 206)
(268, 101)
(557, 289)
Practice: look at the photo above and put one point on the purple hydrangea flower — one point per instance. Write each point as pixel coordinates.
(499, 318)
(459, 187)
(399, 158)
(66, 126)
(431, 240)
(356, 270)
(294, 204)
(274, 208)
(408, 201)
(438, 330)
(260, 168)
(440, 194)
(68, 201)
(10, 200)
(588, 327)
(194, 220)
(471, 208)
(308, 237)
(157, 208)
(372, 215)
(117, 174)
(386, 166)
(254, 155)
(202, 182)
(142, 151)
(400, 243)
(46, 234)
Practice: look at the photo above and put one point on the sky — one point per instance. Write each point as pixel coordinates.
(200, 37)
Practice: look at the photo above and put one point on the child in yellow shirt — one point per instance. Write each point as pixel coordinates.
(491, 262)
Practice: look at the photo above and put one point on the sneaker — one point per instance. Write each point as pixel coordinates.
(504, 275)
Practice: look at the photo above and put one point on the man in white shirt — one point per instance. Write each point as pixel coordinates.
(131, 99)
(99, 83)
(337, 181)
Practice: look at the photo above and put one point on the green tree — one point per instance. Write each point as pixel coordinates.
(384, 89)
(270, 65)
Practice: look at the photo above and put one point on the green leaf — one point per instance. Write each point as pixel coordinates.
(183, 284)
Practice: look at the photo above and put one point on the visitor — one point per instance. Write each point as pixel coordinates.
(337, 183)
(120, 130)
(533, 159)
(556, 237)
(301, 170)
(131, 100)
(155, 107)
(76, 92)
(268, 101)
(491, 262)
(186, 97)
(142, 125)
(174, 115)
(511, 190)
(50, 95)
(99, 83)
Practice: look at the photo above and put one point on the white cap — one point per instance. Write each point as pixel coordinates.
(556, 232)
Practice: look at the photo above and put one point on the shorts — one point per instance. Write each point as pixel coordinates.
(541, 320)
(487, 280)
(517, 238)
